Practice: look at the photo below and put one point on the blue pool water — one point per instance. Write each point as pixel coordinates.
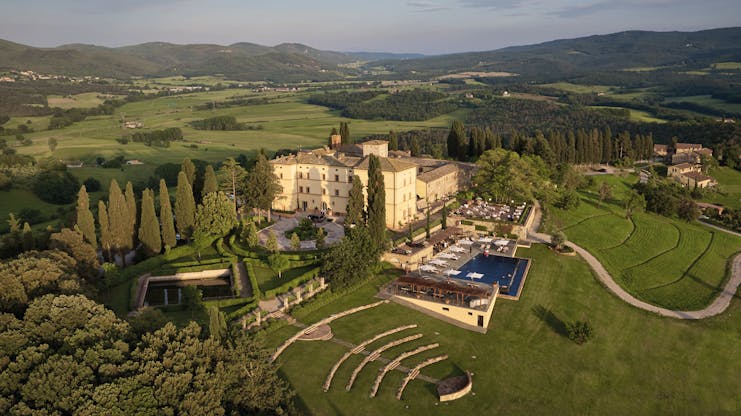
(507, 271)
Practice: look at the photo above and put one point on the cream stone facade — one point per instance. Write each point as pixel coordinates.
(320, 180)
(438, 183)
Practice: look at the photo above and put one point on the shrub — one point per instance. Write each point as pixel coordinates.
(56, 187)
(92, 184)
(579, 331)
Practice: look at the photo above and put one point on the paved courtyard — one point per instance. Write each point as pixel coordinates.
(334, 230)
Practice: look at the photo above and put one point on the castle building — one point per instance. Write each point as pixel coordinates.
(321, 179)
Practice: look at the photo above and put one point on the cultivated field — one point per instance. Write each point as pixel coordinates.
(637, 363)
(663, 261)
(285, 122)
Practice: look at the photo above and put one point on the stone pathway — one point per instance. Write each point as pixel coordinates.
(334, 232)
(719, 305)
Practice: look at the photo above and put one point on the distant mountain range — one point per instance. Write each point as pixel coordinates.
(292, 61)
(624, 50)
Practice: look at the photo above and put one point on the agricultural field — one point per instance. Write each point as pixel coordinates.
(637, 363)
(662, 261)
(578, 88)
(708, 101)
(285, 122)
(636, 115)
(85, 100)
(727, 65)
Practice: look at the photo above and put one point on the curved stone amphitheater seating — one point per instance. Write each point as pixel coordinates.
(360, 348)
(415, 372)
(395, 363)
(377, 353)
(324, 321)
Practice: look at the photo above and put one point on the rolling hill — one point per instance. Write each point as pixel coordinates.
(617, 51)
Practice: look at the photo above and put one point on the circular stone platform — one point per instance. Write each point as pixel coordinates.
(320, 333)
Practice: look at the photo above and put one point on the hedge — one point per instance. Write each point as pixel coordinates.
(253, 279)
(481, 228)
(285, 287)
(244, 310)
(236, 281)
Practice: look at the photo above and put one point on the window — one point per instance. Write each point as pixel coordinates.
(336, 178)
(301, 189)
(308, 175)
(446, 309)
(470, 314)
(336, 192)
(300, 175)
(324, 191)
(308, 190)
(324, 177)
(281, 175)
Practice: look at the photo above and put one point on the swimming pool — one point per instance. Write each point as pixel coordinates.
(509, 272)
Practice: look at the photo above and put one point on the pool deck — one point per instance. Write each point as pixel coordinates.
(465, 257)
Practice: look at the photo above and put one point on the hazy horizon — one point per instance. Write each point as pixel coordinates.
(429, 27)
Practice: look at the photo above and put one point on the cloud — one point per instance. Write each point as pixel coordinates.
(427, 6)
(108, 6)
(580, 10)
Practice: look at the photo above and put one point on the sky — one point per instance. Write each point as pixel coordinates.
(419, 26)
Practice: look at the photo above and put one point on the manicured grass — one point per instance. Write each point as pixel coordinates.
(728, 193)
(637, 363)
(267, 279)
(663, 261)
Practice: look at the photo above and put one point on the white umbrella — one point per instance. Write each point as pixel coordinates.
(438, 262)
(458, 249)
(474, 275)
(466, 242)
(451, 272)
(449, 256)
(427, 268)
(501, 242)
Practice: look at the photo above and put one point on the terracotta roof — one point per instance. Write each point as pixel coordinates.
(387, 164)
(661, 146)
(704, 151)
(684, 166)
(437, 173)
(697, 176)
(351, 148)
(373, 142)
(688, 145)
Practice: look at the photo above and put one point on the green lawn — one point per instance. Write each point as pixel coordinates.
(637, 363)
(14, 200)
(663, 261)
(728, 193)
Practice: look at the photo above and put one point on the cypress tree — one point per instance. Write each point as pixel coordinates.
(119, 222)
(345, 132)
(168, 227)
(414, 149)
(85, 219)
(190, 171)
(29, 243)
(376, 204)
(209, 182)
(393, 141)
(427, 223)
(356, 204)
(457, 141)
(571, 147)
(261, 185)
(131, 207)
(149, 232)
(106, 239)
(185, 207)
